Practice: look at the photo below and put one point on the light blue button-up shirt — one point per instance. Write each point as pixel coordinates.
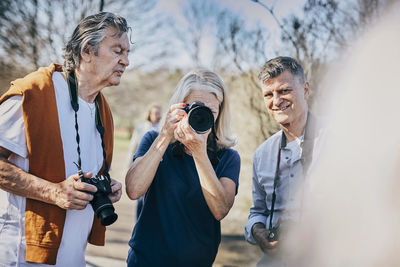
(290, 175)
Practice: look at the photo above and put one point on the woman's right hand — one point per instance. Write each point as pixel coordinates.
(174, 115)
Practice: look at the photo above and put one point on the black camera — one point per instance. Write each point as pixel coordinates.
(101, 204)
(201, 118)
(273, 234)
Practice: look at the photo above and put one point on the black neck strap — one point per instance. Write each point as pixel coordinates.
(306, 156)
(276, 178)
(213, 150)
(73, 93)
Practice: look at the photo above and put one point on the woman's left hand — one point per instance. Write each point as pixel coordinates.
(196, 143)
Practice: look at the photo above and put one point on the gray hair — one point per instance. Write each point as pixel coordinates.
(208, 81)
(274, 67)
(88, 34)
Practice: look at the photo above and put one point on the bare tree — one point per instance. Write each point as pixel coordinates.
(324, 29)
(21, 40)
(246, 49)
(33, 32)
(30, 34)
(199, 17)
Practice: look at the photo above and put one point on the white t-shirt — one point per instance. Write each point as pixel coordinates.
(78, 223)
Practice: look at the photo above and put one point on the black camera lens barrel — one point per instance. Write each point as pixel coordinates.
(104, 209)
(201, 118)
(101, 204)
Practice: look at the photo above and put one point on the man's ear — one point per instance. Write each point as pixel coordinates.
(87, 54)
(306, 90)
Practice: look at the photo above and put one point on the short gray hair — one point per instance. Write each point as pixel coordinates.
(89, 33)
(208, 81)
(274, 67)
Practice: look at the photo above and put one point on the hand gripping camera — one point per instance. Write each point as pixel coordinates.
(201, 118)
(273, 234)
(101, 204)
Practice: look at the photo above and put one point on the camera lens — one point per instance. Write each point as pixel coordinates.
(101, 204)
(107, 216)
(104, 209)
(201, 119)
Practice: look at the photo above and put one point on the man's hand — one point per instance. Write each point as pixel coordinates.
(73, 194)
(260, 234)
(116, 188)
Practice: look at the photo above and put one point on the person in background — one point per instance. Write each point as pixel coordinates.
(50, 124)
(190, 179)
(151, 124)
(280, 164)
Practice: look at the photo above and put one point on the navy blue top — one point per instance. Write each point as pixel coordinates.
(176, 227)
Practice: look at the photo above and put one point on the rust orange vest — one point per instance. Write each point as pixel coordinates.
(44, 223)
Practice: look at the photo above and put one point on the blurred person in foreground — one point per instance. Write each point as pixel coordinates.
(280, 164)
(189, 179)
(352, 214)
(152, 123)
(52, 121)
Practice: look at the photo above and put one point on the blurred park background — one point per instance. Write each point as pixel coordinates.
(170, 37)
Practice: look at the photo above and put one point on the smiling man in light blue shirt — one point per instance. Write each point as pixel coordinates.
(280, 163)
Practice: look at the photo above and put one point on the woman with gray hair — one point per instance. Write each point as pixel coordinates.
(189, 178)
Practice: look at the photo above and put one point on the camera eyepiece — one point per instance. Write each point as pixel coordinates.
(201, 118)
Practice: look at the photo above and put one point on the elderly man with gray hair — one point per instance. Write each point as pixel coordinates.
(54, 122)
(281, 163)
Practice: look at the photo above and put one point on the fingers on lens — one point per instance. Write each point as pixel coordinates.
(176, 106)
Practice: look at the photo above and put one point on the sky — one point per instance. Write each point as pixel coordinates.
(252, 12)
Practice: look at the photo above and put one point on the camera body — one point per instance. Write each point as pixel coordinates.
(280, 231)
(201, 118)
(273, 234)
(101, 204)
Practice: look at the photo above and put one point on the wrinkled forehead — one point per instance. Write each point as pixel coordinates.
(117, 37)
(206, 97)
(206, 88)
(114, 32)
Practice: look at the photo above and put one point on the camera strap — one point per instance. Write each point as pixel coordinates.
(213, 150)
(306, 158)
(73, 93)
(276, 179)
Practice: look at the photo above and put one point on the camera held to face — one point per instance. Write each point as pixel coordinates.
(101, 204)
(201, 118)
